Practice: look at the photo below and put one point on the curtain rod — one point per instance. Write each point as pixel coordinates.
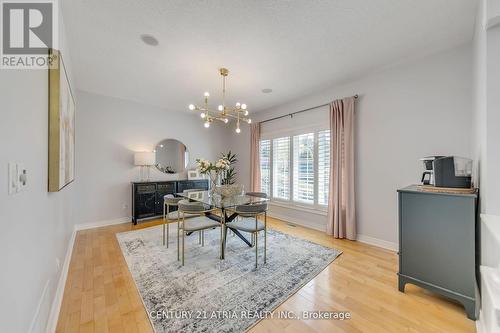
(300, 111)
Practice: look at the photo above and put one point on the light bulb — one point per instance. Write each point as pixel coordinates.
(206, 94)
(244, 106)
(203, 115)
(238, 130)
(249, 121)
(191, 107)
(246, 112)
(238, 105)
(226, 120)
(221, 107)
(207, 124)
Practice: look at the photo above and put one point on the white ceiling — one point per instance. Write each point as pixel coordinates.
(294, 47)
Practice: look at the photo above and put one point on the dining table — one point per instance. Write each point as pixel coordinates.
(226, 204)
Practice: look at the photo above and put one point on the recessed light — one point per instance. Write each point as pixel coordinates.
(267, 90)
(149, 40)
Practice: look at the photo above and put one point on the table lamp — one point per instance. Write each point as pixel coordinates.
(144, 160)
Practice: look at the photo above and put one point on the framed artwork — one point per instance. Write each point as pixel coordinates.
(195, 174)
(61, 125)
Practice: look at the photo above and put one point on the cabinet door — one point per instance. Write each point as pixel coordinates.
(201, 184)
(438, 240)
(145, 201)
(163, 189)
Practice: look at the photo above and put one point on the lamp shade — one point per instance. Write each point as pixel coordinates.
(144, 158)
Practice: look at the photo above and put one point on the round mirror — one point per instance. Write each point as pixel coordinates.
(171, 156)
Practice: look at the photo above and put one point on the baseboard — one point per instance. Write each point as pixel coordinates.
(102, 223)
(378, 242)
(36, 325)
(58, 297)
(294, 221)
(479, 327)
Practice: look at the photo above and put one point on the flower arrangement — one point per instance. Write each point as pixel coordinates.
(218, 166)
(215, 170)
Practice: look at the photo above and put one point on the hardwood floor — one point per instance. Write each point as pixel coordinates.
(100, 295)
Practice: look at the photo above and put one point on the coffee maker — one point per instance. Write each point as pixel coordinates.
(428, 174)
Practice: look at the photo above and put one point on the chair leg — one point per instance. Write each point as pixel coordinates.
(164, 223)
(167, 235)
(199, 237)
(167, 222)
(183, 241)
(203, 238)
(265, 237)
(178, 234)
(256, 250)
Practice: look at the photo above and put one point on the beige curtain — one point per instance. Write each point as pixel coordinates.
(254, 157)
(341, 205)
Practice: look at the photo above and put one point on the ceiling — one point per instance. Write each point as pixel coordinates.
(293, 47)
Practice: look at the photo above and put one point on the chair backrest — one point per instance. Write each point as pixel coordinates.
(251, 210)
(192, 206)
(257, 194)
(169, 199)
(193, 190)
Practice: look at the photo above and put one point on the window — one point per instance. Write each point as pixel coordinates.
(265, 166)
(303, 168)
(323, 166)
(296, 168)
(281, 168)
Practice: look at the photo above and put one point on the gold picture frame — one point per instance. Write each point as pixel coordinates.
(61, 125)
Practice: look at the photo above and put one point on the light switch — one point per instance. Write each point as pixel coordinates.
(12, 182)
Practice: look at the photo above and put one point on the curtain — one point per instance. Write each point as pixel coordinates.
(254, 157)
(341, 202)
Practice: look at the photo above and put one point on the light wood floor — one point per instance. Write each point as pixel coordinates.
(100, 295)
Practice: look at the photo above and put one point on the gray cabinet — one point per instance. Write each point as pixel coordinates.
(437, 244)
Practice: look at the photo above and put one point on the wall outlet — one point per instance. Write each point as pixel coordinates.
(124, 206)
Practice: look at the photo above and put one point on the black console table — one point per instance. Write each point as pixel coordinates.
(147, 197)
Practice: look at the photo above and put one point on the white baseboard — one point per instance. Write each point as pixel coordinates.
(36, 323)
(58, 297)
(103, 223)
(297, 221)
(479, 327)
(378, 242)
(360, 238)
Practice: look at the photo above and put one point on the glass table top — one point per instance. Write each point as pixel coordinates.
(217, 201)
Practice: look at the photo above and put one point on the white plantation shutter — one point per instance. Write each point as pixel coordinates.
(303, 168)
(281, 168)
(323, 166)
(265, 166)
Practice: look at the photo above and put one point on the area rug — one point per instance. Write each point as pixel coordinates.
(212, 295)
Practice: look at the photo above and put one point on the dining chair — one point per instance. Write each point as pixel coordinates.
(250, 223)
(200, 224)
(170, 201)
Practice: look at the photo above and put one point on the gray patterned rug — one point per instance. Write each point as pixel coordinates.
(210, 295)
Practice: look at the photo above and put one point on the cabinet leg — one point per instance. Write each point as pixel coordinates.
(401, 284)
(470, 309)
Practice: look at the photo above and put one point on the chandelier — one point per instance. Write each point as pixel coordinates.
(223, 113)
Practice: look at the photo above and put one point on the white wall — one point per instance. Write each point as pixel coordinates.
(35, 225)
(109, 131)
(404, 113)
